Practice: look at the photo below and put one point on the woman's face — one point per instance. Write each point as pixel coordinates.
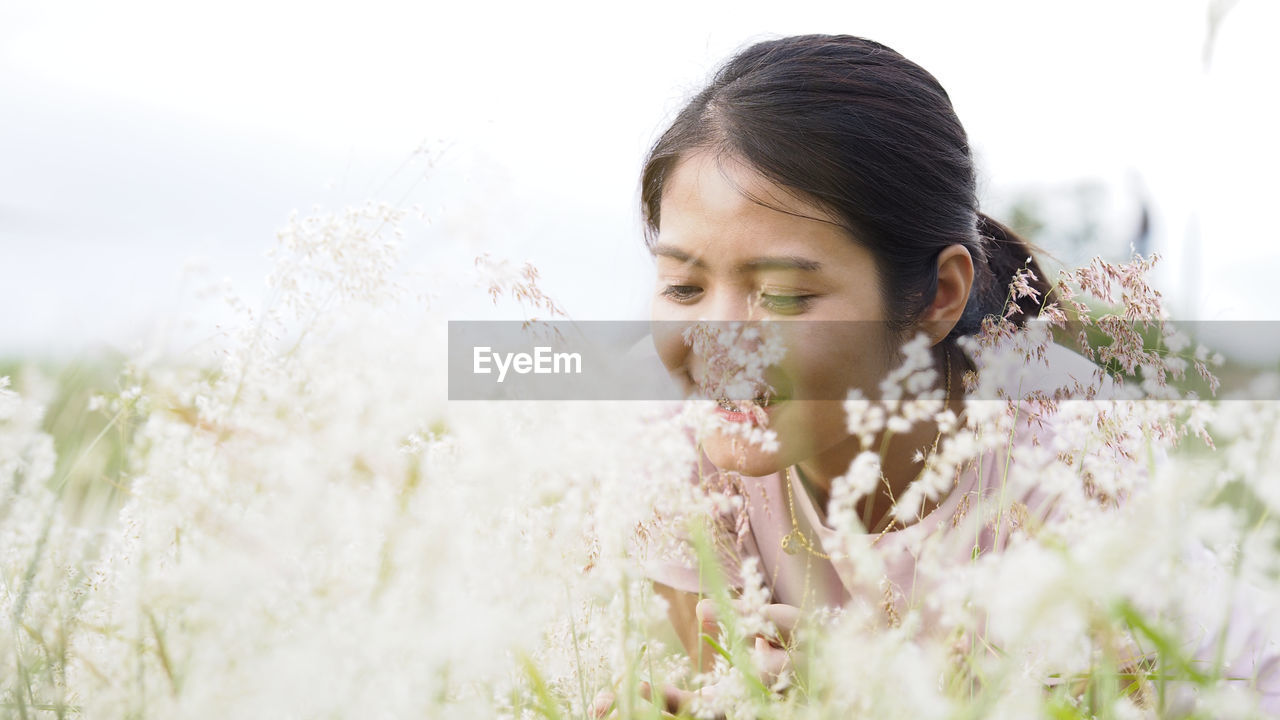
(723, 257)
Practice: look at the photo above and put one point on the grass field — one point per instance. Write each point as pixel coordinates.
(302, 525)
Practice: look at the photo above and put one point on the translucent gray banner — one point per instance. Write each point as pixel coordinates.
(823, 360)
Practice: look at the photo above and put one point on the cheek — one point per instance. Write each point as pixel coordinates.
(669, 342)
(829, 359)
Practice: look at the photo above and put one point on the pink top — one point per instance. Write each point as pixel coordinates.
(805, 580)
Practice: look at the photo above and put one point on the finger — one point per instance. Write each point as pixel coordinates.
(673, 698)
(786, 618)
(677, 700)
(708, 620)
(772, 662)
(707, 614)
(602, 704)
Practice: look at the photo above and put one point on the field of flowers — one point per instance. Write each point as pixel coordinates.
(301, 525)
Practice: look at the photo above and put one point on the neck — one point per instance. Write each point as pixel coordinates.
(899, 467)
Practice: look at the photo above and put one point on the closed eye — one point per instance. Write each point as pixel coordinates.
(786, 304)
(681, 293)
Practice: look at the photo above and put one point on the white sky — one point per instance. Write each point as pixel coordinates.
(136, 135)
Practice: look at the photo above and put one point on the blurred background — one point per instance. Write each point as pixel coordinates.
(149, 151)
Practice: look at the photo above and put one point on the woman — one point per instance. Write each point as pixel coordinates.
(824, 182)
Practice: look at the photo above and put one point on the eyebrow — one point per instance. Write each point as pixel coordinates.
(778, 262)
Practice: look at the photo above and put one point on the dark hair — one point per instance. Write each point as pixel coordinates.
(869, 136)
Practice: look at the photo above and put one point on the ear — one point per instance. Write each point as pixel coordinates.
(955, 277)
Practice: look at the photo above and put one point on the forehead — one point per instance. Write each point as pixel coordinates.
(719, 206)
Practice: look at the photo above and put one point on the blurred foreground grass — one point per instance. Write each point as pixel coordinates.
(91, 468)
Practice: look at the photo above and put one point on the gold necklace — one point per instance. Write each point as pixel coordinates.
(797, 538)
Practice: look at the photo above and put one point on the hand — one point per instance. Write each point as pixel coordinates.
(774, 655)
(774, 658)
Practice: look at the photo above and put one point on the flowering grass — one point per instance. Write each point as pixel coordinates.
(302, 525)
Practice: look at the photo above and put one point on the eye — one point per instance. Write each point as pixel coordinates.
(681, 293)
(786, 304)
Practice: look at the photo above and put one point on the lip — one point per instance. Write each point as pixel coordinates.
(694, 391)
(746, 417)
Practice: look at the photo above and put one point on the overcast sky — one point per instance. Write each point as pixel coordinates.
(138, 136)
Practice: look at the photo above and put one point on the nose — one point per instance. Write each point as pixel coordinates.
(710, 341)
(719, 307)
(728, 305)
(727, 344)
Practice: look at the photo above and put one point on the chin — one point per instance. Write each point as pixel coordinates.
(734, 454)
